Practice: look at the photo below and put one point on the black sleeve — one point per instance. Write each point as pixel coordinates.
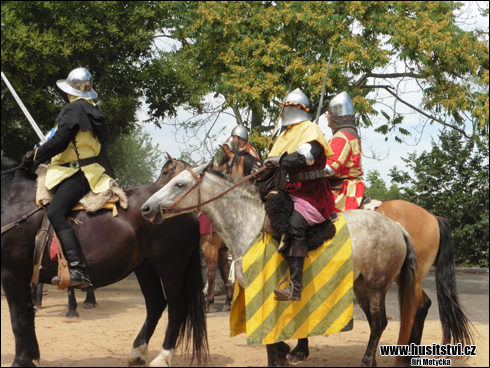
(57, 144)
(294, 160)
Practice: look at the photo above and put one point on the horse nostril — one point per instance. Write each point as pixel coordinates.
(145, 209)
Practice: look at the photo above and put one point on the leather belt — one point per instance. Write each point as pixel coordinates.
(80, 163)
(307, 175)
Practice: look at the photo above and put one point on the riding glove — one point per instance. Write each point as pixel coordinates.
(27, 160)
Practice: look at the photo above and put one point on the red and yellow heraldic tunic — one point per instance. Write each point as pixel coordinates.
(346, 162)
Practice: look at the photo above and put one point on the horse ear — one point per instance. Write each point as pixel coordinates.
(169, 158)
(200, 162)
(229, 153)
(200, 169)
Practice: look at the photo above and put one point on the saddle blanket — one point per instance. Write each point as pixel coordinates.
(326, 305)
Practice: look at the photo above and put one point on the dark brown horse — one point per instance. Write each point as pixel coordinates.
(89, 303)
(162, 257)
(433, 242)
(214, 250)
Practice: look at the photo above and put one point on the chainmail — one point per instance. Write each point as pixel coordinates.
(344, 123)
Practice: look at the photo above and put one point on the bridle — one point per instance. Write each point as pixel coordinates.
(170, 209)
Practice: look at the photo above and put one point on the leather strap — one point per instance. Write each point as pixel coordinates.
(80, 163)
(18, 221)
(307, 175)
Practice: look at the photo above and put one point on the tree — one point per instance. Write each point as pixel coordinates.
(136, 161)
(376, 188)
(452, 181)
(252, 53)
(42, 41)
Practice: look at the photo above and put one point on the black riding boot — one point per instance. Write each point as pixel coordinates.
(76, 262)
(293, 290)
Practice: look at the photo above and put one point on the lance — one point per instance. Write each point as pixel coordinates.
(24, 110)
(323, 90)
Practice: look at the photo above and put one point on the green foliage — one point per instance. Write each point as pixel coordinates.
(42, 41)
(376, 188)
(252, 52)
(452, 181)
(135, 160)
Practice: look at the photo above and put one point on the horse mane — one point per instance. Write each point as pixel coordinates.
(8, 164)
(245, 188)
(248, 161)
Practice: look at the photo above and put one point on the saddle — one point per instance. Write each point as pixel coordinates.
(279, 206)
(91, 202)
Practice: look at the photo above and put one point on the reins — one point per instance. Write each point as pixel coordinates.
(199, 205)
(18, 221)
(10, 170)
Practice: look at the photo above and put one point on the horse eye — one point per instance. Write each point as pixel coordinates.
(179, 185)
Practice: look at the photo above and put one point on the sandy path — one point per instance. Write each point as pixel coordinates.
(104, 336)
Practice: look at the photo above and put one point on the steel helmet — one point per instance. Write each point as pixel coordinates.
(296, 108)
(240, 131)
(229, 142)
(78, 83)
(341, 105)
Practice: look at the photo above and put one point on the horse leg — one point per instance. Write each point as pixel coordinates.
(90, 301)
(19, 298)
(372, 302)
(300, 352)
(272, 355)
(152, 290)
(418, 325)
(224, 268)
(37, 296)
(72, 304)
(211, 256)
(283, 350)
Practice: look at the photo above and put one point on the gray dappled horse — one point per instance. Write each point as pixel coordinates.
(382, 251)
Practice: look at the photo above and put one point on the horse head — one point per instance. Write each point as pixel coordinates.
(170, 169)
(179, 192)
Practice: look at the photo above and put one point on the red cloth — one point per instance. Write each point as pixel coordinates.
(53, 248)
(248, 147)
(205, 225)
(316, 192)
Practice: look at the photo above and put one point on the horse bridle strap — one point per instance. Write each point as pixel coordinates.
(18, 221)
(198, 181)
(199, 204)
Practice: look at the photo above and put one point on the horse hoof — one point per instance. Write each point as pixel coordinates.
(89, 305)
(298, 357)
(138, 355)
(72, 314)
(226, 308)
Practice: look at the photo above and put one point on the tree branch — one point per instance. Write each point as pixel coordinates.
(427, 115)
(389, 75)
(376, 86)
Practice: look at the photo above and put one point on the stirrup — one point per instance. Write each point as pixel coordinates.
(85, 283)
(280, 295)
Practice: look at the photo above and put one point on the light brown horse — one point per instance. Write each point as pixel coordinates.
(215, 251)
(433, 242)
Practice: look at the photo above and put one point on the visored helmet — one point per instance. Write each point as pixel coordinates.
(240, 131)
(341, 105)
(296, 108)
(78, 83)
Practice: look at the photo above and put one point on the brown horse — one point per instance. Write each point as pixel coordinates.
(162, 257)
(433, 242)
(215, 251)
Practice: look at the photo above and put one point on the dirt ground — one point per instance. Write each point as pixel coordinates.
(103, 337)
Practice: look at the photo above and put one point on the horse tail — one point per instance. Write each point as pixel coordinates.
(195, 320)
(406, 288)
(455, 323)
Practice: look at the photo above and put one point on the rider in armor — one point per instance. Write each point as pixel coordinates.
(239, 135)
(81, 129)
(344, 168)
(302, 151)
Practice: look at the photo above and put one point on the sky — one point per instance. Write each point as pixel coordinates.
(378, 154)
